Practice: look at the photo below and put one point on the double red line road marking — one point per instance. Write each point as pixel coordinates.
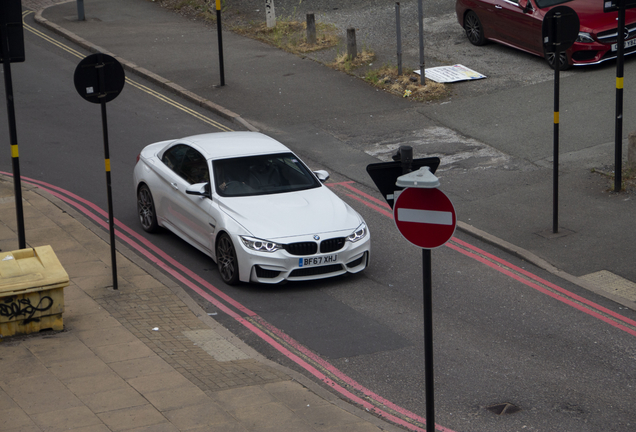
(502, 266)
(292, 349)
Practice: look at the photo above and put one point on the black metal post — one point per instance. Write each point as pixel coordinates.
(13, 135)
(111, 217)
(398, 30)
(428, 340)
(620, 61)
(555, 167)
(80, 10)
(311, 29)
(420, 20)
(220, 39)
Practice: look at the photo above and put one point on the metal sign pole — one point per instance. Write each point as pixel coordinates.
(111, 217)
(555, 168)
(220, 39)
(420, 20)
(104, 73)
(620, 60)
(398, 30)
(109, 192)
(560, 29)
(429, 377)
(418, 191)
(13, 136)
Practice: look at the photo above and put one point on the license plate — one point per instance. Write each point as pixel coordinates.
(628, 44)
(317, 261)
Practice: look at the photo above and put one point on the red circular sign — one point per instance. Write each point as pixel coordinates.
(425, 217)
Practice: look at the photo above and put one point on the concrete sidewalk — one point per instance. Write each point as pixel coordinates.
(145, 357)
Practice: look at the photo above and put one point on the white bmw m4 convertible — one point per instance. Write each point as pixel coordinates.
(252, 205)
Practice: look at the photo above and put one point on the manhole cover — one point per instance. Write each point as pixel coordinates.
(504, 408)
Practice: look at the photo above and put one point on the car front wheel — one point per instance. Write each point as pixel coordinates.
(226, 260)
(146, 210)
(474, 29)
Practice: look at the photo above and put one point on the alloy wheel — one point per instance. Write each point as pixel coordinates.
(474, 30)
(226, 260)
(146, 209)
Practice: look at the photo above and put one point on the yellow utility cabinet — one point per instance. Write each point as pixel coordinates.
(32, 285)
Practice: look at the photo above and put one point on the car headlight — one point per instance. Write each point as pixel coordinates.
(584, 38)
(260, 245)
(358, 234)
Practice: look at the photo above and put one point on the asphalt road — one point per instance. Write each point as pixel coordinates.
(498, 337)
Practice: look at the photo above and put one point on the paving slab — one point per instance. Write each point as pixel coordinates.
(132, 418)
(41, 394)
(164, 381)
(136, 368)
(96, 338)
(204, 415)
(86, 366)
(67, 419)
(176, 398)
(111, 400)
(96, 383)
(122, 351)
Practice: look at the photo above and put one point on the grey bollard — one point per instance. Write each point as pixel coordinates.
(270, 13)
(311, 29)
(352, 49)
(80, 10)
(631, 151)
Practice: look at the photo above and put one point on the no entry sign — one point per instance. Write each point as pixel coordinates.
(425, 217)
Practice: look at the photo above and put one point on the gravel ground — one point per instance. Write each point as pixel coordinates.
(444, 40)
(375, 24)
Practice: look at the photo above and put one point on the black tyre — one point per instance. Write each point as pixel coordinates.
(563, 63)
(146, 209)
(226, 260)
(474, 29)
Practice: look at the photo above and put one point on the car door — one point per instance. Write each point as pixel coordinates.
(519, 27)
(487, 10)
(189, 216)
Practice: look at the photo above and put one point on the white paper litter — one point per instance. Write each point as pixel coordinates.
(448, 74)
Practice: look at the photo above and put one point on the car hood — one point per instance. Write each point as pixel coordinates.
(277, 216)
(593, 19)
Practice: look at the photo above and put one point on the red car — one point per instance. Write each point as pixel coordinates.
(517, 23)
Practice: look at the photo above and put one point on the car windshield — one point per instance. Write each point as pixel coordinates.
(260, 175)
(549, 3)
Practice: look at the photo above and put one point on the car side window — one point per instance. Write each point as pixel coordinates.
(187, 163)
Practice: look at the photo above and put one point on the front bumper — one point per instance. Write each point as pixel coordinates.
(583, 54)
(279, 266)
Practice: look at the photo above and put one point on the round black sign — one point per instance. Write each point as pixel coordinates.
(560, 26)
(99, 78)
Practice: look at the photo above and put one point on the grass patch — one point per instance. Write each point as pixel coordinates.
(291, 36)
(628, 178)
(406, 85)
(345, 63)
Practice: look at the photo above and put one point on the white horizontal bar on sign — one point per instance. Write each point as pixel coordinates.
(425, 216)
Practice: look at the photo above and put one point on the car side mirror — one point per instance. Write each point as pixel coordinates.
(199, 189)
(525, 5)
(322, 175)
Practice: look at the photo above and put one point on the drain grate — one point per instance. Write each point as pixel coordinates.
(504, 408)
